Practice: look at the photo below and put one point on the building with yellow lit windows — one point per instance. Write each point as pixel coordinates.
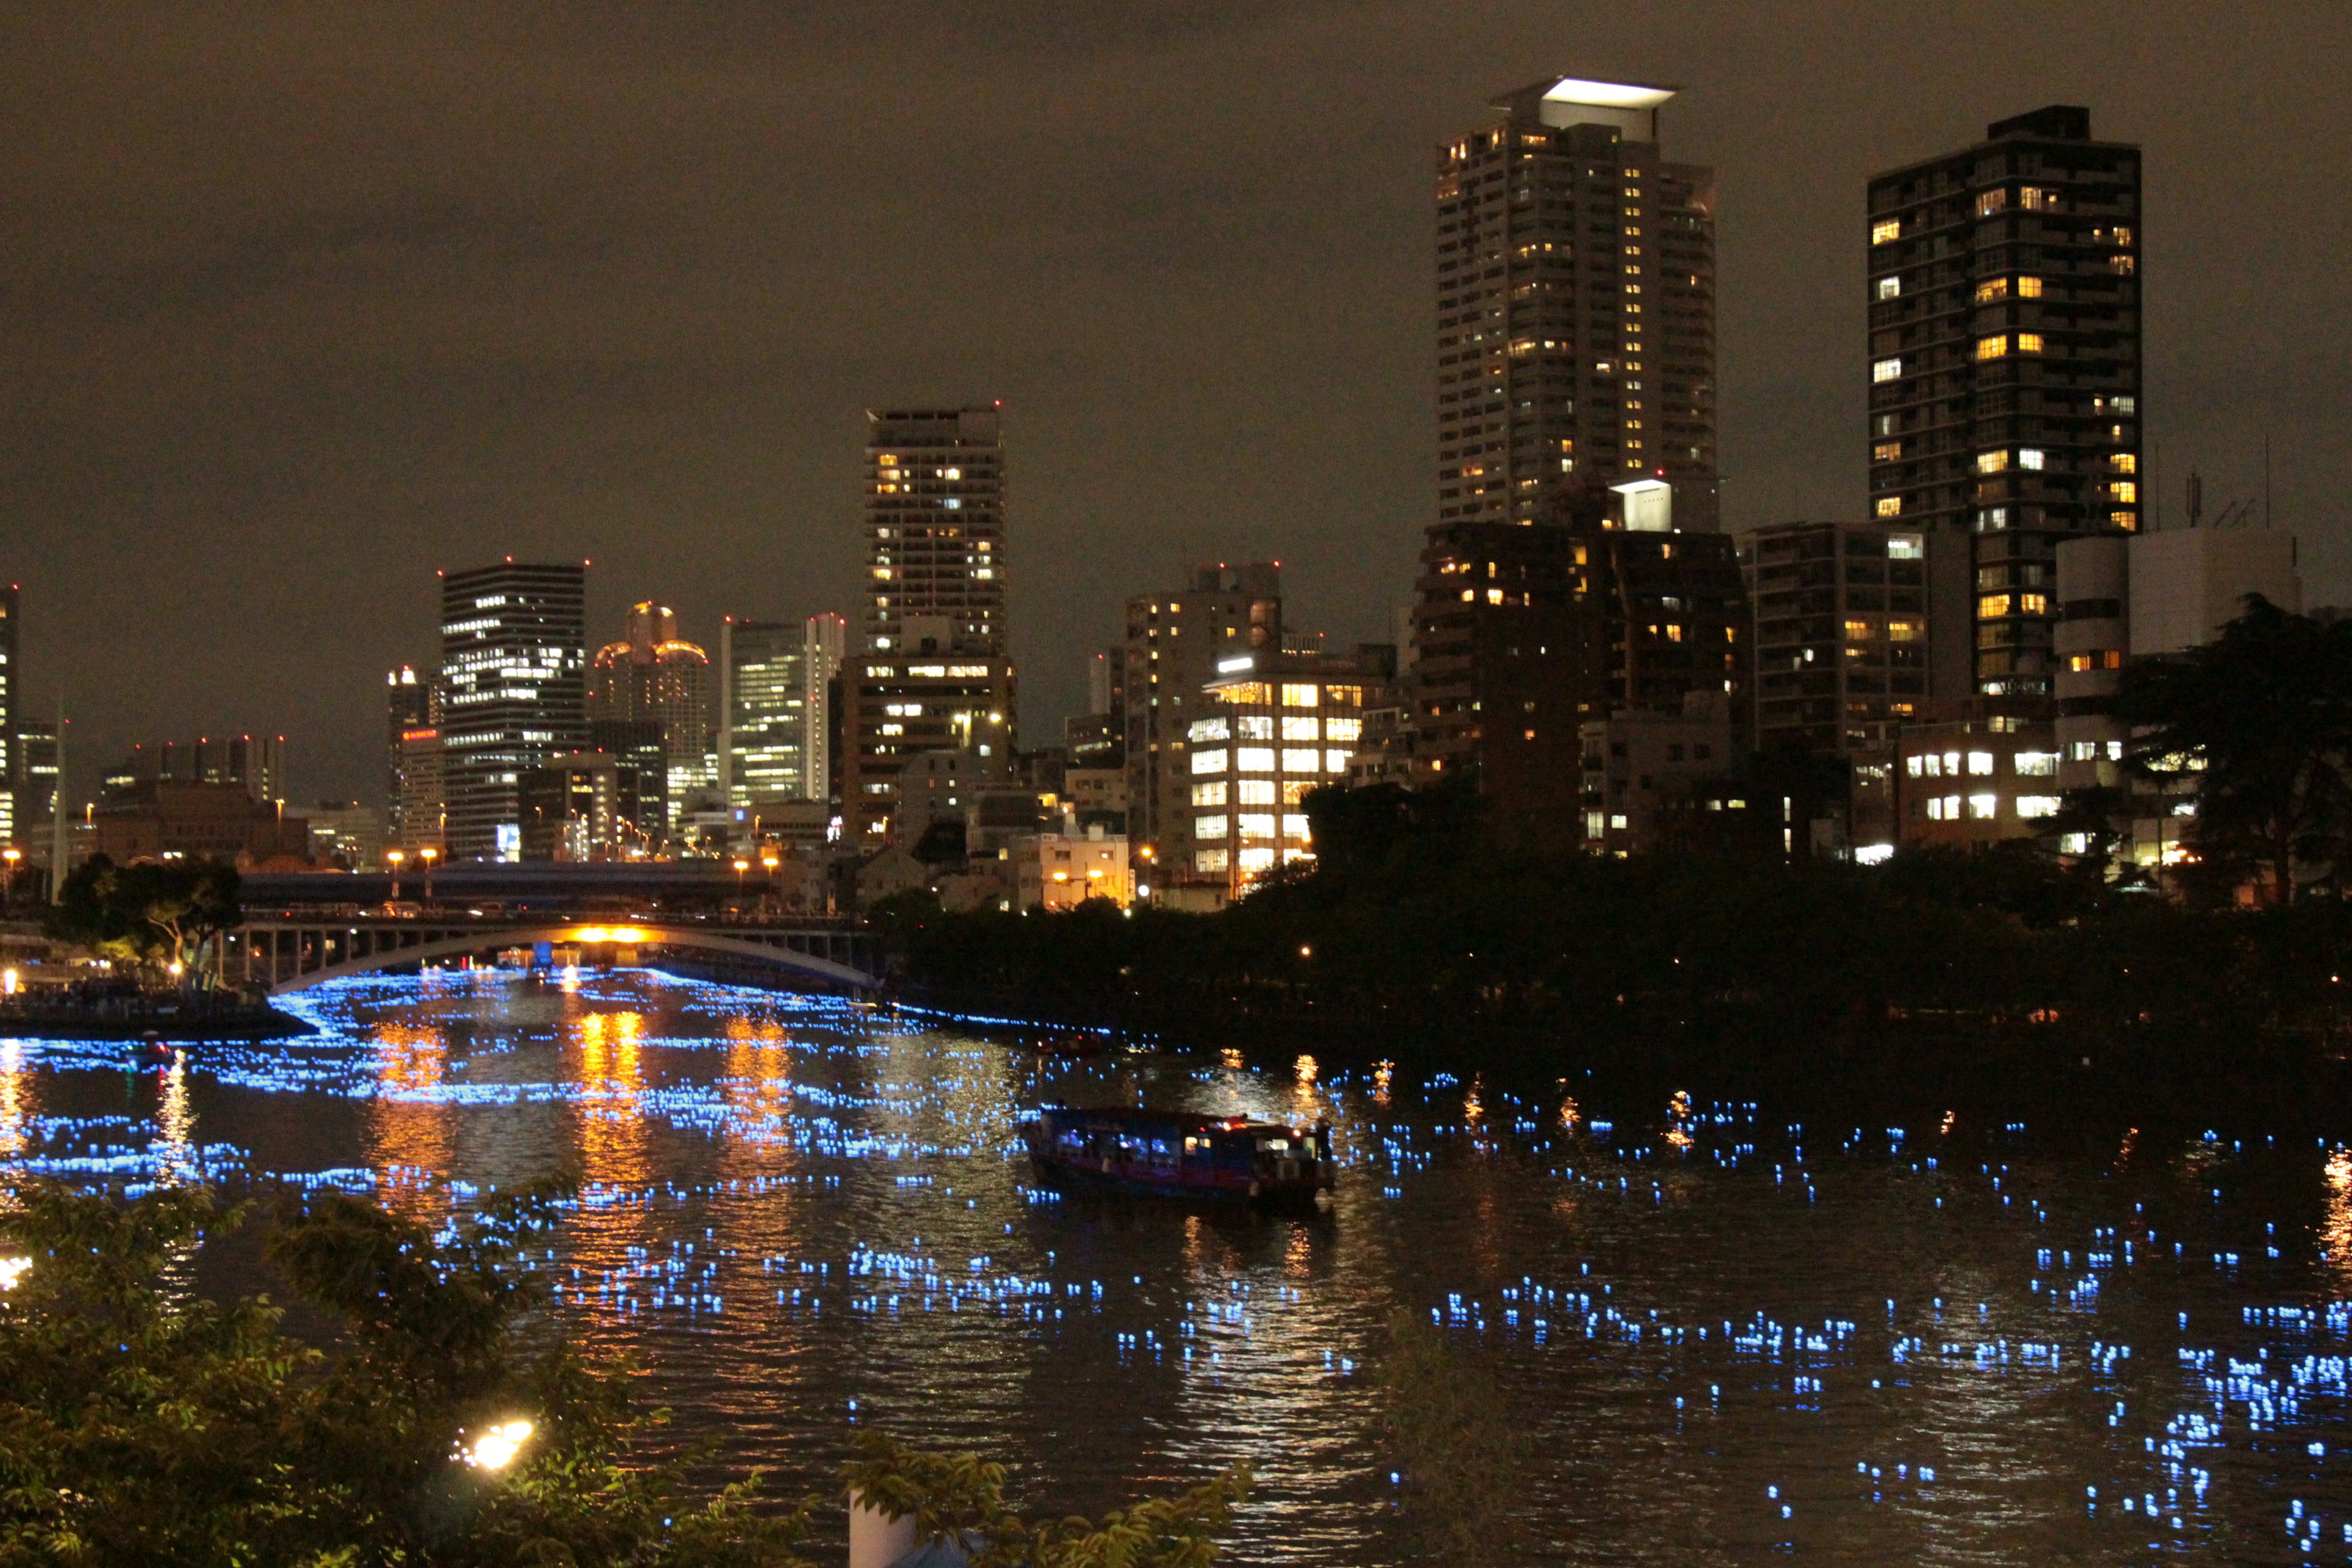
(928, 672)
(1575, 305)
(1269, 728)
(2005, 368)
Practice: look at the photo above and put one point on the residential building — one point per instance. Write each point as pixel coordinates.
(513, 686)
(1843, 649)
(2005, 366)
(1575, 306)
(1271, 727)
(826, 642)
(577, 807)
(1641, 767)
(408, 705)
(160, 818)
(1098, 738)
(1524, 634)
(1099, 795)
(653, 673)
(1176, 644)
(931, 674)
(1969, 774)
(1062, 870)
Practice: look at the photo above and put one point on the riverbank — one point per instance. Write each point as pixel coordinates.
(143, 1018)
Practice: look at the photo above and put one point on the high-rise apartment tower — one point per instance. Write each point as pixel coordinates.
(930, 671)
(2005, 367)
(513, 693)
(1575, 306)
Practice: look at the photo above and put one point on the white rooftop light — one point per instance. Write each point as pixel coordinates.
(1607, 94)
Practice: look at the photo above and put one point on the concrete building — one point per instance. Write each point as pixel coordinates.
(1524, 634)
(1575, 305)
(160, 818)
(824, 641)
(766, 720)
(1270, 728)
(579, 807)
(2188, 583)
(256, 763)
(345, 832)
(1098, 738)
(652, 673)
(931, 674)
(1845, 649)
(1969, 775)
(424, 819)
(513, 688)
(642, 745)
(2005, 366)
(1062, 870)
(1176, 644)
(1640, 766)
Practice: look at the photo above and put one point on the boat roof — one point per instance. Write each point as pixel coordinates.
(1187, 1119)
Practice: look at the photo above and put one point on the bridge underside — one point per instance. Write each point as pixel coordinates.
(294, 956)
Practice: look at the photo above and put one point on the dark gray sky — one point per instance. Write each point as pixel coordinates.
(301, 302)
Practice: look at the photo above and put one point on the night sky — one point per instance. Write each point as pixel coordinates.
(303, 302)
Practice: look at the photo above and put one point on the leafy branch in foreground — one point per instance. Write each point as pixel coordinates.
(450, 1422)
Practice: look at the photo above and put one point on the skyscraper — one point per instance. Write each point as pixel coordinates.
(1177, 643)
(1575, 306)
(2005, 367)
(408, 705)
(764, 717)
(930, 674)
(513, 693)
(827, 644)
(9, 700)
(654, 673)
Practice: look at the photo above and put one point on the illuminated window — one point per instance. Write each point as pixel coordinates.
(1905, 547)
(1257, 824)
(2123, 490)
(1209, 860)
(1992, 606)
(1859, 631)
(1992, 288)
(1256, 727)
(2029, 287)
(1991, 202)
(2124, 462)
(1943, 808)
(1212, 793)
(1890, 506)
(1298, 696)
(1207, 730)
(2035, 764)
(1984, 808)
(1886, 452)
(1335, 762)
(2034, 604)
(1993, 347)
(1301, 759)
(2038, 198)
(1293, 825)
(2037, 805)
(1885, 230)
(1885, 370)
(1915, 766)
(1992, 462)
(1209, 827)
(1888, 287)
(2029, 457)
(1903, 631)
(1342, 728)
(1255, 860)
(1254, 760)
(2028, 343)
(1209, 761)
(1253, 792)
(1296, 729)
(1981, 763)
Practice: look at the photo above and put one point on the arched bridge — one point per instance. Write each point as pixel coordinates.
(293, 952)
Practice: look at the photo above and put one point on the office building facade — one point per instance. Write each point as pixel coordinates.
(772, 711)
(408, 705)
(1176, 644)
(652, 673)
(930, 673)
(513, 693)
(2005, 367)
(1575, 306)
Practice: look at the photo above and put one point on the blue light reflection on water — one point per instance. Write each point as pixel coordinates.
(1733, 1339)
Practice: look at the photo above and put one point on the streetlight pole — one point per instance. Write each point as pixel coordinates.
(427, 854)
(395, 856)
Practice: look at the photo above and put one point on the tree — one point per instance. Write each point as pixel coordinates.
(2260, 719)
(141, 912)
(1459, 1456)
(140, 1424)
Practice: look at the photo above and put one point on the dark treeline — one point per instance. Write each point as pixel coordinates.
(1434, 929)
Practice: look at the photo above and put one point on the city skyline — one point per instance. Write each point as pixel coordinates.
(1118, 491)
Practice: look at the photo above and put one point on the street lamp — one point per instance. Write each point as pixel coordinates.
(427, 855)
(395, 856)
(8, 888)
(740, 867)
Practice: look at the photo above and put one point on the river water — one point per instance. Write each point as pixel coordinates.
(1732, 1336)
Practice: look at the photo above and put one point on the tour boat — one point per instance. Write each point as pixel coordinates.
(1172, 1154)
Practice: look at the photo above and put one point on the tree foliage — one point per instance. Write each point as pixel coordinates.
(2260, 719)
(145, 913)
(141, 1423)
(1460, 1457)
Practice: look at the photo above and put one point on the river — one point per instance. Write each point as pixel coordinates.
(1733, 1336)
